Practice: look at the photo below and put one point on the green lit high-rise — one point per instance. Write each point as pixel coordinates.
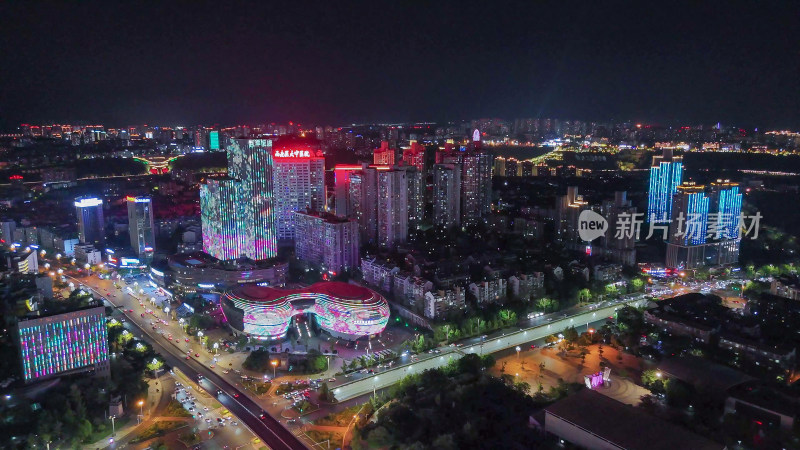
(238, 212)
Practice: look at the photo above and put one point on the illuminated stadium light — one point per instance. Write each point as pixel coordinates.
(345, 310)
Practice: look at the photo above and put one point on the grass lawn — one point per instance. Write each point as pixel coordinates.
(106, 430)
(341, 418)
(322, 436)
(175, 409)
(158, 429)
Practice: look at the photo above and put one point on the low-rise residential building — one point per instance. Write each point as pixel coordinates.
(679, 325)
(782, 355)
(86, 253)
(379, 273)
(524, 286)
(489, 291)
(608, 272)
(410, 289)
(785, 287)
(439, 303)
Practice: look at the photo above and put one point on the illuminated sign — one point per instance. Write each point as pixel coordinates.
(156, 272)
(108, 250)
(292, 154)
(205, 286)
(126, 262)
(87, 202)
(137, 199)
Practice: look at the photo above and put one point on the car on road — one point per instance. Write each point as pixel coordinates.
(236, 395)
(219, 391)
(263, 415)
(235, 423)
(197, 355)
(331, 380)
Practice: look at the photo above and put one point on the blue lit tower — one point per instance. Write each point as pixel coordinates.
(91, 225)
(688, 227)
(238, 212)
(666, 174)
(140, 225)
(726, 203)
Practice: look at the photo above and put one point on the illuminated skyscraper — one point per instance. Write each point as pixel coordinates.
(476, 182)
(65, 343)
(446, 195)
(666, 174)
(383, 155)
(298, 182)
(327, 241)
(688, 227)
(213, 140)
(726, 205)
(140, 225)
(238, 213)
(415, 156)
(91, 225)
(392, 208)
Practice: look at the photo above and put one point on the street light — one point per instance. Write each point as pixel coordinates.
(113, 429)
(274, 363)
(518, 350)
(141, 408)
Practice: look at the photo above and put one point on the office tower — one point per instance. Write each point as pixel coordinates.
(726, 208)
(415, 156)
(622, 248)
(446, 195)
(63, 344)
(363, 198)
(140, 225)
(416, 195)
(327, 241)
(238, 213)
(7, 229)
(213, 140)
(392, 205)
(688, 227)
(666, 174)
(383, 155)
(298, 182)
(91, 226)
(476, 186)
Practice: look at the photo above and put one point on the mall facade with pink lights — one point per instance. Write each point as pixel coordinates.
(344, 310)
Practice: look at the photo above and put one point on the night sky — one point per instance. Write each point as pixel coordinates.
(335, 62)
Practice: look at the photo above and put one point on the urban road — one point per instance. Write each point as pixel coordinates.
(480, 346)
(269, 430)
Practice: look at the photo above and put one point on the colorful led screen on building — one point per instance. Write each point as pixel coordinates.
(62, 343)
(345, 310)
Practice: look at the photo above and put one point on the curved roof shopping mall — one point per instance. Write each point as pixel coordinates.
(344, 310)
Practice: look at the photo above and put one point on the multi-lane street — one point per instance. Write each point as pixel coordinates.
(263, 425)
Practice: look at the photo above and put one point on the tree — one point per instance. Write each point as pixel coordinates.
(523, 387)
(155, 365)
(584, 295)
(570, 335)
(258, 360)
(637, 284)
(546, 304)
(325, 394)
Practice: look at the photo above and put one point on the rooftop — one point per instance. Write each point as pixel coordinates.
(623, 425)
(336, 289)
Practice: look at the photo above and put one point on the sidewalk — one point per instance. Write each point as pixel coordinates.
(154, 402)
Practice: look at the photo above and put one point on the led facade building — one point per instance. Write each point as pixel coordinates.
(140, 225)
(344, 310)
(64, 343)
(688, 227)
(298, 183)
(91, 225)
(327, 241)
(238, 212)
(666, 174)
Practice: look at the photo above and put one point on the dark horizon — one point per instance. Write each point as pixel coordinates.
(677, 63)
